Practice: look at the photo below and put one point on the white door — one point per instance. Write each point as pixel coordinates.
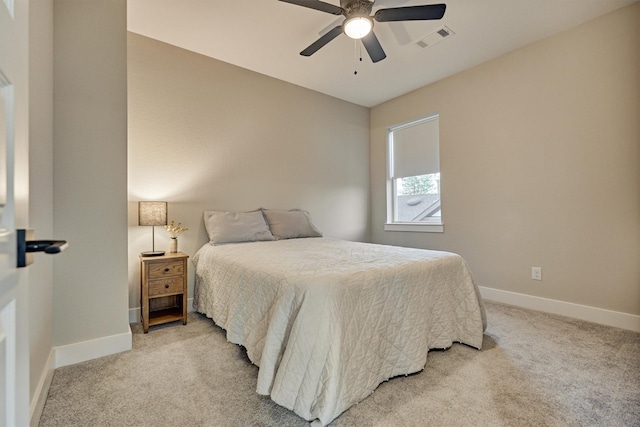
(14, 341)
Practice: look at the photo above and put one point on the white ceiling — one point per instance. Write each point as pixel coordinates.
(266, 36)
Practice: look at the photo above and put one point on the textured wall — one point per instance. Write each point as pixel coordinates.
(90, 169)
(540, 162)
(40, 186)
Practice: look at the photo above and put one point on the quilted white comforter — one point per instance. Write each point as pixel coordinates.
(328, 320)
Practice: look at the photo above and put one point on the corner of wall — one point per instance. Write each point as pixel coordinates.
(92, 349)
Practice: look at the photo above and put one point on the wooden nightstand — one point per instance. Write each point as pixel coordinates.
(163, 289)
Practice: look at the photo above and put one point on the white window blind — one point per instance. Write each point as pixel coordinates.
(415, 148)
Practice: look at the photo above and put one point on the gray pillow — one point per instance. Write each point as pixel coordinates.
(234, 227)
(291, 224)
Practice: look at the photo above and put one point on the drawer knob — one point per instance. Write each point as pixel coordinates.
(166, 270)
(166, 286)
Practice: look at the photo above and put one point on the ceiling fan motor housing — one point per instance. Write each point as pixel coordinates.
(356, 7)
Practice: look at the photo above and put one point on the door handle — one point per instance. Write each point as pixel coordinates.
(27, 247)
(46, 246)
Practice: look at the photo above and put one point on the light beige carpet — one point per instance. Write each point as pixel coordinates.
(534, 369)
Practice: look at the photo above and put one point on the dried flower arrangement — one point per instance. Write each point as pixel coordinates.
(175, 230)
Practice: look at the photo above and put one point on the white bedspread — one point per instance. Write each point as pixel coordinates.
(328, 320)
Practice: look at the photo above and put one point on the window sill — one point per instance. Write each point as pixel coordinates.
(414, 227)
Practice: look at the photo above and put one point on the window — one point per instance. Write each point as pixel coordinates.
(413, 183)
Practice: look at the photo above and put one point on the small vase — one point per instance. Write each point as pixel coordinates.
(173, 245)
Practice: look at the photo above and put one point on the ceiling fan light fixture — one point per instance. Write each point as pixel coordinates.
(357, 27)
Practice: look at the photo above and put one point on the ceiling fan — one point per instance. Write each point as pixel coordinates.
(359, 24)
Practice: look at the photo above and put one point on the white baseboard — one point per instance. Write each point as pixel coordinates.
(134, 313)
(42, 390)
(577, 311)
(92, 349)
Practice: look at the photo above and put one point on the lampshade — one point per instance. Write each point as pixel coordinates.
(358, 26)
(152, 213)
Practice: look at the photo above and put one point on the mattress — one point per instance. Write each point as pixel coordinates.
(326, 320)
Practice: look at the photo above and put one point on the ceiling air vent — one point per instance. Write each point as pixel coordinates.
(436, 37)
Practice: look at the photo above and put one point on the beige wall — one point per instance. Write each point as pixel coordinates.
(540, 162)
(90, 170)
(206, 135)
(40, 186)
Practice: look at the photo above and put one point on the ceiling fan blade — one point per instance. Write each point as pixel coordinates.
(315, 46)
(373, 46)
(411, 13)
(317, 5)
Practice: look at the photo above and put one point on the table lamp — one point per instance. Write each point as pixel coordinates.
(152, 213)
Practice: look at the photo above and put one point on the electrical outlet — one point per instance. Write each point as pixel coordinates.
(536, 273)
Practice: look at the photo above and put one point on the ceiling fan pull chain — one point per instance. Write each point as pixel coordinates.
(355, 57)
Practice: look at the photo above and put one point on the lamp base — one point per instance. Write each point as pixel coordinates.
(152, 253)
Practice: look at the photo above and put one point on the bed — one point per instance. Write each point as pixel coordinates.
(327, 320)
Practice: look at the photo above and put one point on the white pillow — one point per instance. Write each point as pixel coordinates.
(234, 227)
(290, 224)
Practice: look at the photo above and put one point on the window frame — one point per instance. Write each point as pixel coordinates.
(433, 224)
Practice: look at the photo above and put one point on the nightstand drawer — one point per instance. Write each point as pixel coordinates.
(170, 285)
(164, 269)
